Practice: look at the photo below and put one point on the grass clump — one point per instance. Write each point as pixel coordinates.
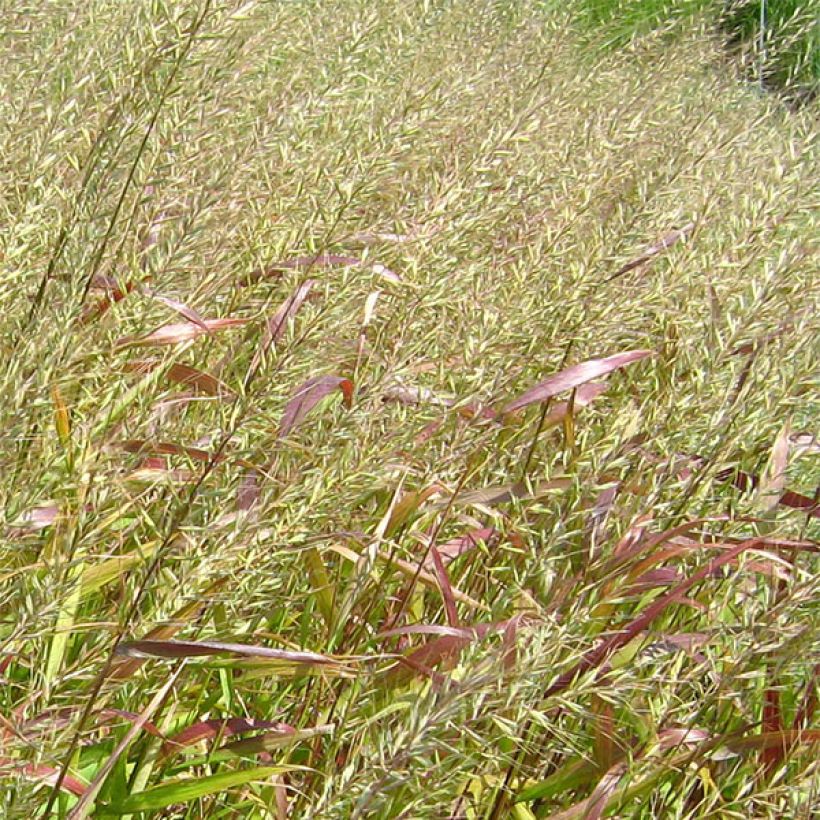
(775, 42)
(408, 412)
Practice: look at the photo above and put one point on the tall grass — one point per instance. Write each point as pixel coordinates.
(311, 506)
(777, 42)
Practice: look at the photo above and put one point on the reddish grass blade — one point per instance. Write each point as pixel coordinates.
(164, 448)
(428, 432)
(199, 649)
(182, 332)
(151, 449)
(308, 396)
(38, 518)
(248, 493)
(184, 374)
(115, 294)
(584, 395)
(805, 712)
(124, 669)
(653, 578)
(441, 650)
(597, 656)
(43, 774)
(772, 740)
(575, 376)
(444, 585)
(278, 323)
(62, 717)
(653, 250)
(217, 728)
(592, 808)
(181, 308)
(747, 482)
(772, 756)
(459, 546)
(409, 504)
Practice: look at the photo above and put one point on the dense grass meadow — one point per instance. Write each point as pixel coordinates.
(408, 409)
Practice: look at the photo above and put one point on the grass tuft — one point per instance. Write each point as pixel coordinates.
(408, 411)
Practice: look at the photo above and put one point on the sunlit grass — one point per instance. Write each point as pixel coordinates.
(296, 470)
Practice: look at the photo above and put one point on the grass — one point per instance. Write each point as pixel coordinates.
(777, 41)
(312, 507)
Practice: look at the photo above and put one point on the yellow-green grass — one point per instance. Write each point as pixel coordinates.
(494, 179)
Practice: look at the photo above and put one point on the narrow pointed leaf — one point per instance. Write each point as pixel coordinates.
(182, 332)
(199, 649)
(277, 324)
(653, 250)
(125, 668)
(217, 727)
(308, 396)
(459, 546)
(575, 376)
(187, 789)
(42, 774)
(186, 375)
(182, 309)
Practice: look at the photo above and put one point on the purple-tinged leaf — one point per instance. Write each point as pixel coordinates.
(598, 655)
(39, 517)
(248, 493)
(308, 396)
(184, 374)
(445, 586)
(42, 774)
(278, 323)
(199, 649)
(181, 308)
(464, 543)
(182, 332)
(115, 294)
(575, 376)
(653, 250)
(164, 448)
(218, 728)
(125, 668)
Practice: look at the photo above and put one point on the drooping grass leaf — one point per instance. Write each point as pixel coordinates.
(41, 773)
(182, 332)
(653, 250)
(217, 728)
(308, 396)
(457, 547)
(199, 649)
(575, 376)
(595, 657)
(181, 308)
(186, 375)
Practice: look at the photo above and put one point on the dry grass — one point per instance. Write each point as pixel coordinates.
(462, 186)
